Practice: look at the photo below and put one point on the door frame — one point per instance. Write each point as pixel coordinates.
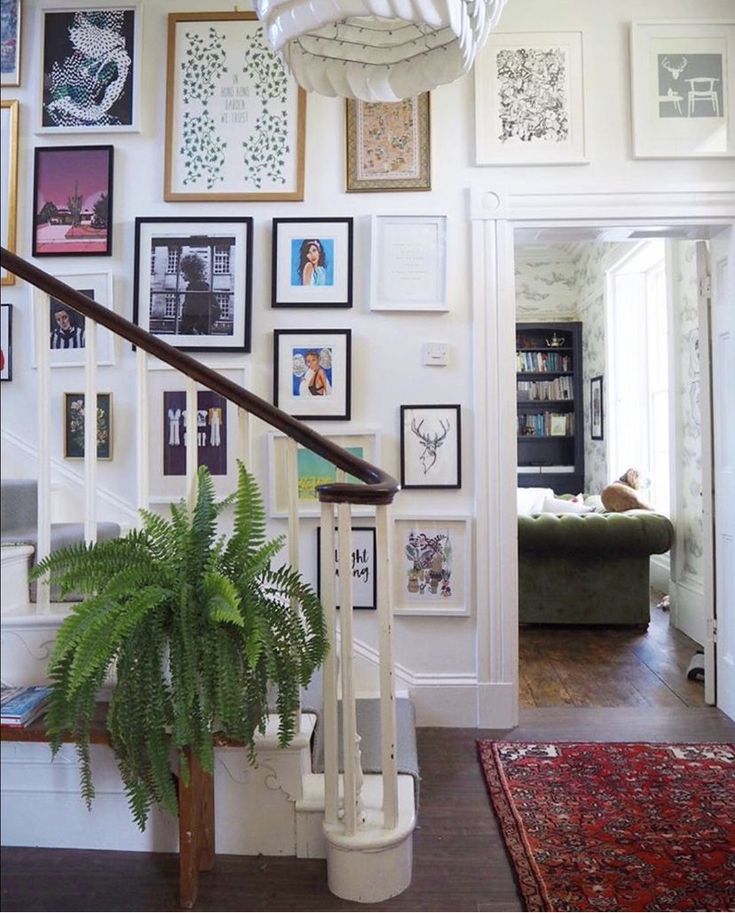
(494, 217)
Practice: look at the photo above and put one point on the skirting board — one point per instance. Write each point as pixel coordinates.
(687, 609)
(660, 571)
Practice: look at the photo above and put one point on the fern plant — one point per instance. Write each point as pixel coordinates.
(197, 626)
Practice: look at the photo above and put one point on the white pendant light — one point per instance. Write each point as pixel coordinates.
(377, 50)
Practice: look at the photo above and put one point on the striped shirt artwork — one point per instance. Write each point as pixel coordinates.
(67, 339)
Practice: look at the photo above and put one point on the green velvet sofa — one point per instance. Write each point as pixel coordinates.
(590, 568)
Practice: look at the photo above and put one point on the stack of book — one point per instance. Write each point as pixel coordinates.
(21, 706)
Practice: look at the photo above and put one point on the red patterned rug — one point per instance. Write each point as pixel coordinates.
(593, 826)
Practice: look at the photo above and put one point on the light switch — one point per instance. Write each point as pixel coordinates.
(436, 353)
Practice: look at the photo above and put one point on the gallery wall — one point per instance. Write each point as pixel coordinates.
(387, 368)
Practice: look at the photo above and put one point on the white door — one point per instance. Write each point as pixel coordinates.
(723, 468)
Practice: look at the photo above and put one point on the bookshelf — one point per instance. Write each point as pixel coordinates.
(549, 395)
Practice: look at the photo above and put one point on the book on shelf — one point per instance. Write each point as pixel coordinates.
(21, 706)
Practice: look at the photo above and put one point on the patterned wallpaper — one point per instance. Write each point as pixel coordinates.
(546, 287)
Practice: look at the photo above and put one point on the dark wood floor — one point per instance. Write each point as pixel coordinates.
(459, 859)
(607, 667)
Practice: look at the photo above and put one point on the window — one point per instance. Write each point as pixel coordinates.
(170, 306)
(221, 261)
(224, 300)
(638, 379)
(172, 263)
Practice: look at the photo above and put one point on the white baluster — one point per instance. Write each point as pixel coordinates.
(292, 489)
(90, 432)
(244, 438)
(143, 435)
(387, 683)
(327, 579)
(192, 442)
(42, 310)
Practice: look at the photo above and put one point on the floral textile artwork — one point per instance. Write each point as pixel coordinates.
(75, 413)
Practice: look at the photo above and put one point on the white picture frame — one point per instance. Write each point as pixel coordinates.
(431, 566)
(408, 263)
(682, 78)
(9, 109)
(99, 287)
(522, 121)
(67, 34)
(313, 470)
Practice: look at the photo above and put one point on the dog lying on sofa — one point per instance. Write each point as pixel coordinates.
(622, 494)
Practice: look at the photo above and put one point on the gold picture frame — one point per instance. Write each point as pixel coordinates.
(220, 116)
(389, 145)
(9, 163)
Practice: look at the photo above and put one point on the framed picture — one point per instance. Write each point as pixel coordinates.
(67, 328)
(6, 342)
(8, 180)
(682, 86)
(408, 263)
(72, 196)
(10, 16)
(314, 470)
(389, 145)
(312, 373)
(89, 72)
(364, 571)
(235, 117)
(431, 566)
(218, 445)
(74, 412)
(312, 263)
(431, 447)
(193, 281)
(529, 99)
(596, 409)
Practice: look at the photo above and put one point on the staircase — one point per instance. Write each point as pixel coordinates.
(354, 802)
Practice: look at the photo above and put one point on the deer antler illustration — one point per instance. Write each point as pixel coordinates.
(675, 71)
(431, 443)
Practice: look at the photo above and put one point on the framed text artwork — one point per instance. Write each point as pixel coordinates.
(235, 117)
(10, 16)
(311, 373)
(408, 263)
(74, 419)
(6, 342)
(389, 145)
(8, 180)
(72, 201)
(529, 99)
(683, 88)
(362, 566)
(193, 281)
(312, 263)
(431, 447)
(89, 72)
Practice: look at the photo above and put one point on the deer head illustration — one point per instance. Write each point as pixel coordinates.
(675, 70)
(430, 443)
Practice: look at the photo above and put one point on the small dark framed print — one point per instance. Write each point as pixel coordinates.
(596, 409)
(6, 342)
(312, 263)
(362, 560)
(74, 416)
(431, 447)
(311, 373)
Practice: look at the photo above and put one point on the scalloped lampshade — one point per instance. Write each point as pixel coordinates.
(377, 50)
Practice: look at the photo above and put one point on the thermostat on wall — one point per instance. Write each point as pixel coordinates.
(436, 353)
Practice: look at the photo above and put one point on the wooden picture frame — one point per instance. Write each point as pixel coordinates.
(10, 28)
(194, 280)
(408, 263)
(597, 409)
(90, 65)
(431, 446)
(74, 426)
(388, 145)
(431, 566)
(529, 99)
(683, 98)
(6, 342)
(8, 180)
(72, 201)
(364, 567)
(312, 263)
(313, 470)
(235, 117)
(312, 373)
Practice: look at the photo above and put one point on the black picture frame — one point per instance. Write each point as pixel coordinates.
(362, 567)
(83, 229)
(214, 253)
(425, 460)
(321, 391)
(331, 239)
(6, 342)
(597, 409)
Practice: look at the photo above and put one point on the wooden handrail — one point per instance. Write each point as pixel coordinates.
(378, 487)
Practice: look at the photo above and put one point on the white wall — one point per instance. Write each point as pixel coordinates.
(387, 369)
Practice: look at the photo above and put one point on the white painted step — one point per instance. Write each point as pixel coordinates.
(15, 560)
